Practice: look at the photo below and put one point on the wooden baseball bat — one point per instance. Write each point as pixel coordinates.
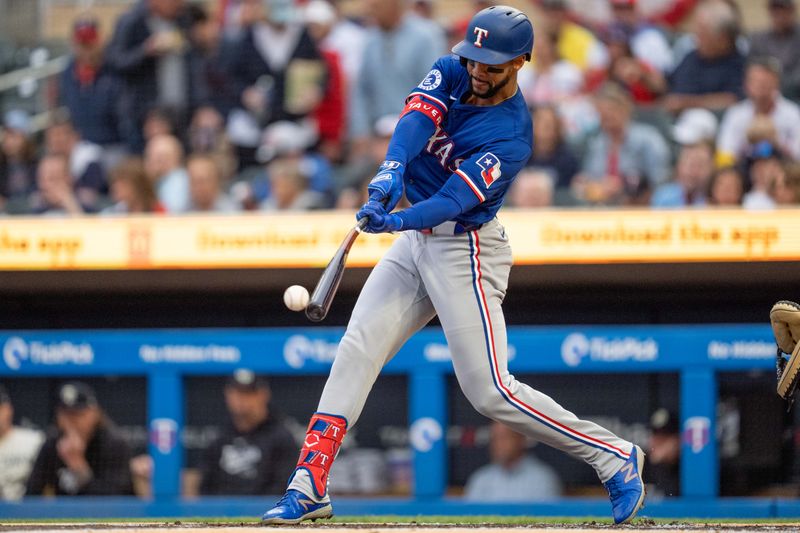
(322, 297)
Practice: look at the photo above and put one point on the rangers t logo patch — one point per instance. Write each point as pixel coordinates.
(490, 169)
(480, 34)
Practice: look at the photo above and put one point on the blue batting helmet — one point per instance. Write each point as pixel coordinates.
(495, 35)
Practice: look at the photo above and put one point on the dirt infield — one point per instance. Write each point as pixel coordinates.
(647, 526)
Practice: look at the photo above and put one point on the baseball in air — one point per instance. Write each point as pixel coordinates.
(296, 297)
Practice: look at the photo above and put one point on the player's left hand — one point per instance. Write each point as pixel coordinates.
(387, 185)
(379, 220)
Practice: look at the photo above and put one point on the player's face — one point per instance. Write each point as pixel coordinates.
(488, 80)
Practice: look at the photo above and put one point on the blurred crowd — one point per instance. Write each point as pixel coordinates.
(274, 105)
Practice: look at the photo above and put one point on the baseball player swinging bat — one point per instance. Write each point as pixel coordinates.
(328, 284)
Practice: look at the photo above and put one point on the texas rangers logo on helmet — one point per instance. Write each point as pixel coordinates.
(480, 34)
(490, 168)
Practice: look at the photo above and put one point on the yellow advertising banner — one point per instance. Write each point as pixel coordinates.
(310, 239)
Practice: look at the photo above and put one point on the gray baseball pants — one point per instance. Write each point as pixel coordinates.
(462, 279)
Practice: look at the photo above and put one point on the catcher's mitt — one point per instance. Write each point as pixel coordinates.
(785, 320)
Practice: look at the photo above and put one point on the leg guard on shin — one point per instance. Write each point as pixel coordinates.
(323, 439)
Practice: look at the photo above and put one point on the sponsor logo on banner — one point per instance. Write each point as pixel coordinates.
(436, 352)
(741, 349)
(299, 349)
(432, 80)
(16, 350)
(577, 346)
(424, 433)
(189, 353)
(164, 434)
(696, 433)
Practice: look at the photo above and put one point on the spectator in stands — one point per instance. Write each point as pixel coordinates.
(576, 44)
(331, 114)
(347, 39)
(779, 116)
(398, 55)
(781, 41)
(205, 186)
(84, 456)
(625, 160)
(18, 449)
(131, 189)
(663, 456)
(766, 171)
(235, 16)
(90, 90)
(17, 162)
(532, 188)
(513, 475)
(712, 75)
(256, 454)
(424, 10)
(158, 121)
(55, 194)
(207, 136)
(787, 189)
(163, 162)
(210, 60)
(85, 161)
(726, 188)
(647, 43)
(352, 197)
(289, 188)
(357, 171)
(689, 186)
(549, 79)
(695, 125)
(550, 150)
(279, 73)
(150, 49)
(644, 82)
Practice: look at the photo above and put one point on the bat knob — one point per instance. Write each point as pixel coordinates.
(315, 313)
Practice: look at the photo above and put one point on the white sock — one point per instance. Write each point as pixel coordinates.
(302, 482)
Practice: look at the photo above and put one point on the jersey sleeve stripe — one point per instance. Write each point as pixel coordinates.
(463, 175)
(426, 95)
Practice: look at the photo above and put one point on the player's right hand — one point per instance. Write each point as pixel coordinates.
(379, 221)
(387, 185)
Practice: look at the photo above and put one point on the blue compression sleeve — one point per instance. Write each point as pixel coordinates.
(429, 213)
(450, 201)
(410, 135)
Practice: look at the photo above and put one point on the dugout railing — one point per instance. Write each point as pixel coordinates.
(165, 357)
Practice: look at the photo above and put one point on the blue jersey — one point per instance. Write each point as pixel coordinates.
(486, 146)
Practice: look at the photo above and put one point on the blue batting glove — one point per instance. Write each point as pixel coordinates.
(379, 220)
(369, 208)
(387, 185)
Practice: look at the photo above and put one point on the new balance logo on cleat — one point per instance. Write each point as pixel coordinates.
(630, 473)
(626, 488)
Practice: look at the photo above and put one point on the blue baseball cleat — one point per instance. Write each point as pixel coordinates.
(626, 488)
(295, 507)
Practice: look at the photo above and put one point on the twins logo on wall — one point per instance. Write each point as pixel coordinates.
(696, 433)
(164, 434)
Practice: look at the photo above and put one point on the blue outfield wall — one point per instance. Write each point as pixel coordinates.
(165, 357)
